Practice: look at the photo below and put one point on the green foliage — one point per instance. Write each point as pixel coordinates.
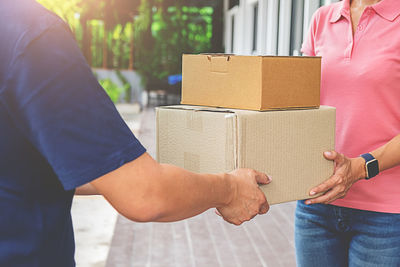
(159, 31)
(163, 34)
(111, 89)
(67, 10)
(127, 86)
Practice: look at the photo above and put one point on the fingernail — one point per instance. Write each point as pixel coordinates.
(328, 153)
(308, 202)
(312, 193)
(269, 178)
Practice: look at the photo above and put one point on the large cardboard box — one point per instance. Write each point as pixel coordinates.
(287, 145)
(251, 82)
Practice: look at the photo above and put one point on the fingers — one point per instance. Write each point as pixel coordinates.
(330, 155)
(264, 208)
(335, 156)
(249, 200)
(262, 178)
(263, 203)
(328, 197)
(338, 184)
(325, 186)
(217, 212)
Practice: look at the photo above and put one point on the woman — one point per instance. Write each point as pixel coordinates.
(359, 42)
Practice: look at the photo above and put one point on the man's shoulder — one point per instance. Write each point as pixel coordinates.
(22, 21)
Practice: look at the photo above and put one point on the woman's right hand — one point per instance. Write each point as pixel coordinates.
(347, 172)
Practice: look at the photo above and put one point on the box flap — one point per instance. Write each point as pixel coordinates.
(197, 108)
(213, 80)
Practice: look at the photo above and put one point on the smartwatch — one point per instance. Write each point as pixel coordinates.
(371, 165)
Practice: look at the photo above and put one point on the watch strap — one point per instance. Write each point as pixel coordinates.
(371, 165)
(367, 157)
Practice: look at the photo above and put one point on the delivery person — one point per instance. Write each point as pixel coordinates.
(61, 134)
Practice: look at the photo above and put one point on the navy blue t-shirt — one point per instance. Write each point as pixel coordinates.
(58, 130)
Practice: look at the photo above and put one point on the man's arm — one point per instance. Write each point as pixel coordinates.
(144, 190)
(86, 190)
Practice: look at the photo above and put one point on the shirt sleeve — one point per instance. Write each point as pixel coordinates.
(54, 99)
(308, 47)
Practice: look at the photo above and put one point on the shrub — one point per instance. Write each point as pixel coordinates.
(113, 90)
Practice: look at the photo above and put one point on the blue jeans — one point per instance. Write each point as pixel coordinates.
(327, 235)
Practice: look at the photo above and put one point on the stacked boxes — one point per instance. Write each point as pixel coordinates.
(284, 142)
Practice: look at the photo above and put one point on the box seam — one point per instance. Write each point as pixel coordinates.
(157, 136)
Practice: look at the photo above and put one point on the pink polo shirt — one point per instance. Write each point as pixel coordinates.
(361, 78)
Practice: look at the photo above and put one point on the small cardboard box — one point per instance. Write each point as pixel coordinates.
(251, 82)
(287, 145)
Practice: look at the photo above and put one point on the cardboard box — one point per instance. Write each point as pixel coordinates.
(251, 82)
(288, 145)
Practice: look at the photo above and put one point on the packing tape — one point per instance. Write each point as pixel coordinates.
(231, 142)
(191, 162)
(242, 128)
(194, 121)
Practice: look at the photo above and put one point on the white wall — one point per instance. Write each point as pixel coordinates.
(281, 26)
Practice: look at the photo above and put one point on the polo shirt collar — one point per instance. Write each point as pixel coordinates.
(388, 9)
(339, 10)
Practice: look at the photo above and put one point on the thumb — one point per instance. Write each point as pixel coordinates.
(218, 213)
(330, 155)
(262, 178)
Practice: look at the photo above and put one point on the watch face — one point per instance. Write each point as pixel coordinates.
(373, 168)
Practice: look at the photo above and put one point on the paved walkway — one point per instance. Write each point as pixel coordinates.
(93, 217)
(205, 240)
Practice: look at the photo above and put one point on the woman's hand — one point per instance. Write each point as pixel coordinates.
(347, 171)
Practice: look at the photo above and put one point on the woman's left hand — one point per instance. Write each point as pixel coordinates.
(347, 171)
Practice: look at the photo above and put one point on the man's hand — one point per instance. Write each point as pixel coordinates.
(146, 191)
(248, 200)
(347, 172)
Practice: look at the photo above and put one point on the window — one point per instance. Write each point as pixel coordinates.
(231, 25)
(296, 35)
(255, 26)
(285, 20)
(233, 3)
(232, 33)
(272, 27)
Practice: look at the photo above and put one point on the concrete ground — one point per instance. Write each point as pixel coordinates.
(107, 239)
(93, 218)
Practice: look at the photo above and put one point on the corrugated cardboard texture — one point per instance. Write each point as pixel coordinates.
(290, 82)
(185, 138)
(287, 145)
(251, 82)
(224, 81)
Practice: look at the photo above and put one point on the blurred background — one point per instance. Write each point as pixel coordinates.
(135, 46)
(135, 49)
